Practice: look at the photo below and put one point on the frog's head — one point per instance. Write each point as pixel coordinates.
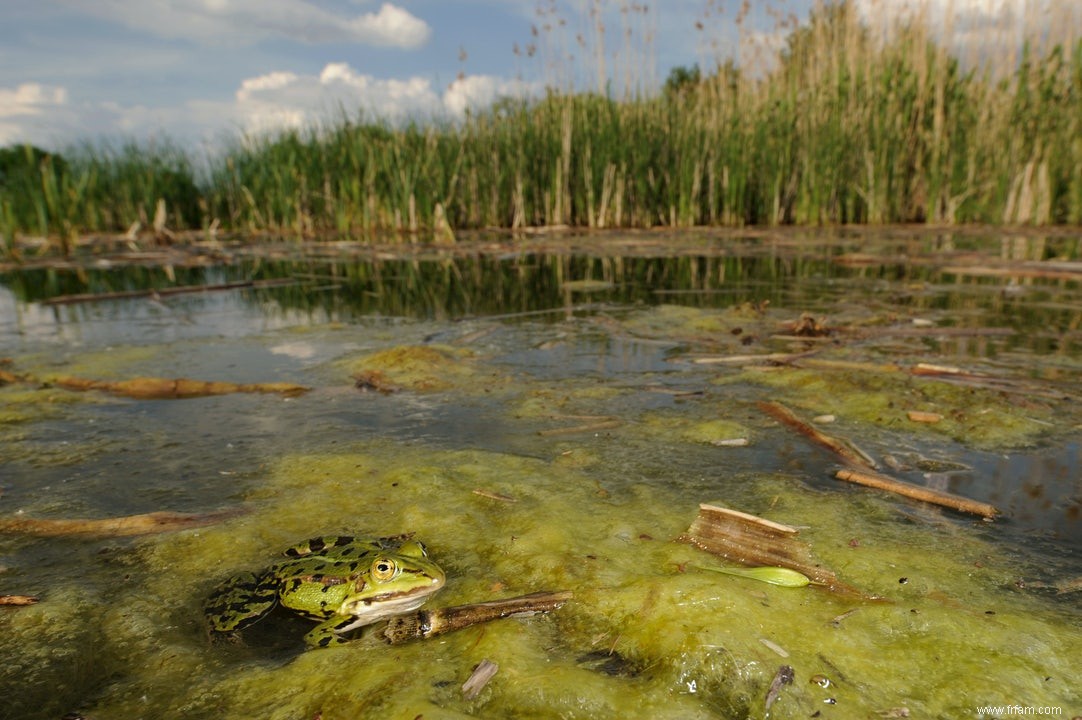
(396, 582)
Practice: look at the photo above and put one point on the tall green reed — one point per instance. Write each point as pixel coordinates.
(846, 124)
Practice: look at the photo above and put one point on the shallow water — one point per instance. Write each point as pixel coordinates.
(567, 379)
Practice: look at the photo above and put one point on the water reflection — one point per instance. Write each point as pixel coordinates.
(827, 278)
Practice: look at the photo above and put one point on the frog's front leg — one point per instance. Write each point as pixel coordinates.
(331, 632)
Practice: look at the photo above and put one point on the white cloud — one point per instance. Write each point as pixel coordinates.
(247, 21)
(30, 99)
(480, 91)
(973, 22)
(287, 100)
(26, 106)
(266, 103)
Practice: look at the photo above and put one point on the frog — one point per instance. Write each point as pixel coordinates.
(345, 582)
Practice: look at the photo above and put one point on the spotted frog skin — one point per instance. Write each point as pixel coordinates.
(344, 582)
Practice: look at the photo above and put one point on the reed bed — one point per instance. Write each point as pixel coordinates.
(848, 124)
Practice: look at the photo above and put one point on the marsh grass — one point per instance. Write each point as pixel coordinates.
(846, 123)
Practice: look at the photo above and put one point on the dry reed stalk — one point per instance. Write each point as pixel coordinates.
(916, 492)
(839, 447)
(430, 623)
(755, 541)
(126, 526)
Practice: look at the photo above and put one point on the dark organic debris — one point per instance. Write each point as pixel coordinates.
(784, 676)
(480, 676)
(756, 542)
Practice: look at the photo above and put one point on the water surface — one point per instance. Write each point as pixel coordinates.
(595, 383)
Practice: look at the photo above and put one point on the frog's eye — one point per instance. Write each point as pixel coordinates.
(384, 570)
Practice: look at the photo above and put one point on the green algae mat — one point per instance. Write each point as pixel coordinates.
(560, 444)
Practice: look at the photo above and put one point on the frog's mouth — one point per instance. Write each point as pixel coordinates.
(384, 605)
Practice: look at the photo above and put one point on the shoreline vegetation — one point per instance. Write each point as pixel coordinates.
(848, 126)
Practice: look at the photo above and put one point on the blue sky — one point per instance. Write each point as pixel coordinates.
(198, 71)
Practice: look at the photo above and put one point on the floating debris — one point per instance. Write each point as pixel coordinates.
(923, 417)
(755, 541)
(775, 647)
(784, 676)
(731, 442)
(783, 577)
(429, 623)
(916, 492)
(839, 447)
(375, 380)
(148, 388)
(484, 672)
(578, 429)
(125, 526)
(162, 292)
(494, 495)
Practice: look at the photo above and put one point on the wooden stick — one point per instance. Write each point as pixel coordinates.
(916, 492)
(863, 473)
(145, 388)
(125, 526)
(429, 623)
(480, 676)
(577, 429)
(784, 415)
(162, 292)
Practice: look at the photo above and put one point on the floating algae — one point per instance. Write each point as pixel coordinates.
(414, 367)
(691, 640)
(977, 417)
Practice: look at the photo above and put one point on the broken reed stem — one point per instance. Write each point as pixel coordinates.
(916, 492)
(125, 526)
(785, 416)
(163, 292)
(863, 473)
(429, 623)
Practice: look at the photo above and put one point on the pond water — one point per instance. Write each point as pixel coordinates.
(549, 415)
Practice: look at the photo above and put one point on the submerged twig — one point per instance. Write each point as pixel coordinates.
(576, 429)
(839, 447)
(480, 676)
(493, 495)
(772, 358)
(429, 623)
(863, 471)
(162, 292)
(783, 677)
(146, 388)
(128, 525)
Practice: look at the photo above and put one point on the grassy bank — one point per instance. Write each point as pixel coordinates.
(848, 126)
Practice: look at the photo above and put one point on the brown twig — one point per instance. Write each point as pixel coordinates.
(163, 292)
(128, 525)
(576, 429)
(429, 623)
(145, 388)
(839, 447)
(862, 472)
(916, 492)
